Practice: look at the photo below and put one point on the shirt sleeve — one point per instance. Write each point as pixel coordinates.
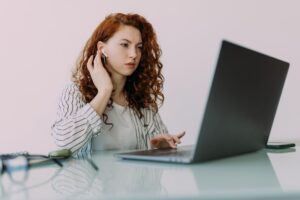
(159, 125)
(156, 126)
(77, 122)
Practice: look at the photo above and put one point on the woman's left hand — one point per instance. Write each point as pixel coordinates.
(166, 141)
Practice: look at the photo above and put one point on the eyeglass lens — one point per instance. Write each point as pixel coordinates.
(17, 168)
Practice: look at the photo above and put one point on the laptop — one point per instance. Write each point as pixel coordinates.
(240, 108)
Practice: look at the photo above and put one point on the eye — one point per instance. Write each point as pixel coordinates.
(124, 45)
(140, 47)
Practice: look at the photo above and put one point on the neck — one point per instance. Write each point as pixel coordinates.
(118, 83)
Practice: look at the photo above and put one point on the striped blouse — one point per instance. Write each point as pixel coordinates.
(78, 123)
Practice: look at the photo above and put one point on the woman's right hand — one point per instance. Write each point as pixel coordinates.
(100, 76)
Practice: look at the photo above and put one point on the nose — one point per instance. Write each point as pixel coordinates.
(133, 53)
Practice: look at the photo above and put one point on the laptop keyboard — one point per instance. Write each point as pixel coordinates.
(166, 152)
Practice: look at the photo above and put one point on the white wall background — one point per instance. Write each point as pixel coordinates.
(40, 42)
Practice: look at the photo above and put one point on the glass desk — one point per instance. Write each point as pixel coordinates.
(259, 175)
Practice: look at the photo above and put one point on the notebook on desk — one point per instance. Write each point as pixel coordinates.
(240, 108)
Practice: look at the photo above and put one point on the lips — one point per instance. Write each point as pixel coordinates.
(130, 64)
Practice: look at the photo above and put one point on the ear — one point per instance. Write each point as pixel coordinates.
(100, 45)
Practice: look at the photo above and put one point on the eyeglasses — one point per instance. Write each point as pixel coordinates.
(66, 153)
(16, 165)
(37, 179)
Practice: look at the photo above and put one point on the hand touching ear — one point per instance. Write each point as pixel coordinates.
(99, 75)
(166, 141)
(102, 82)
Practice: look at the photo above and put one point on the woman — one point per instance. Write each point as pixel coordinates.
(113, 100)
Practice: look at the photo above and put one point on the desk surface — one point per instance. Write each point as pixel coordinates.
(260, 175)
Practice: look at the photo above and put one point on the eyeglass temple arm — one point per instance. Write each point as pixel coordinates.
(57, 162)
(46, 157)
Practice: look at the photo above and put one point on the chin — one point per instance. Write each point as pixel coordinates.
(127, 72)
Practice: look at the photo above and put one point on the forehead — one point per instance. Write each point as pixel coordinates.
(129, 33)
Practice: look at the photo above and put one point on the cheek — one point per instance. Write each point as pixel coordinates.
(119, 54)
(139, 56)
(115, 56)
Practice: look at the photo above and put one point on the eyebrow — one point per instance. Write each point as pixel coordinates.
(130, 41)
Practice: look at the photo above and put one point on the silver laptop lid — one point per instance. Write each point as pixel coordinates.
(242, 103)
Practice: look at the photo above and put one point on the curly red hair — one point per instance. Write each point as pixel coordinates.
(144, 87)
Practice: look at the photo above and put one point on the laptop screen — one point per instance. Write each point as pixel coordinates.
(242, 103)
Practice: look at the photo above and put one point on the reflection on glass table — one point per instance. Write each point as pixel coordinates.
(17, 165)
(15, 172)
(238, 176)
(249, 176)
(26, 173)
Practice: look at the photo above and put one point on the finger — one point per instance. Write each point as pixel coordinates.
(176, 139)
(170, 141)
(172, 144)
(89, 64)
(97, 60)
(180, 135)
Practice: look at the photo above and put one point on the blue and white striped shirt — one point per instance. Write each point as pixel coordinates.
(78, 123)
